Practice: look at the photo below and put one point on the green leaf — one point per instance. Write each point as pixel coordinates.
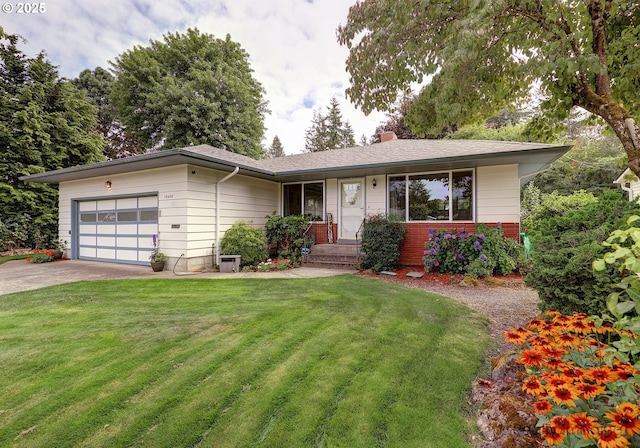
(599, 265)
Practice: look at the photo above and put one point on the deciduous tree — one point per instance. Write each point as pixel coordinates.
(97, 85)
(481, 56)
(190, 89)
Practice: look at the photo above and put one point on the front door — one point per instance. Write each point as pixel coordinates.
(351, 207)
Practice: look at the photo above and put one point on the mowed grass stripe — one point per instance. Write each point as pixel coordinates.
(163, 363)
(320, 362)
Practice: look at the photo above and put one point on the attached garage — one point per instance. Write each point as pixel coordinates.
(117, 229)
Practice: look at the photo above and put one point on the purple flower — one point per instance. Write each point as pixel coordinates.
(463, 235)
(460, 256)
(461, 229)
(430, 229)
(483, 257)
(482, 237)
(155, 240)
(447, 236)
(478, 245)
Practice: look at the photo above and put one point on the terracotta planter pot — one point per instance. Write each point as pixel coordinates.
(157, 266)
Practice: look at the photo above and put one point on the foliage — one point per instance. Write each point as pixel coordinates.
(19, 231)
(585, 398)
(566, 234)
(624, 303)
(289, 362)
(578, 55)
(287, 234)
(97, 85)
(245, 240)
(45, 124)
(382, 236)
(279, 264)
(190, 89)
(329, 131)
(41, 256)
(590, 165)
(479, 254)
(276, 149)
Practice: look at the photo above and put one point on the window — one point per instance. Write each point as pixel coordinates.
(446, 196)
(305, 198)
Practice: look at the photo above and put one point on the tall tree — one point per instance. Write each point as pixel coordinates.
(97, 85)
(276, 149)
(482, 56)
(190, 89)
(329, 131)
(45, 124)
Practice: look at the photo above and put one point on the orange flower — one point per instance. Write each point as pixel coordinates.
(573, 372)
(629, 408)
(555, 380)
(542, 407)
(517, 335)
(531, 358)
(532, 386)
(625, 418)
(554, 363)
(610, 438)
(600, 375)
(561, 423)
(587, 390)
(564, 395)
(584, 424)
(551, 435)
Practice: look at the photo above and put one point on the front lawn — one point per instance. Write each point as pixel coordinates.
(340, 361)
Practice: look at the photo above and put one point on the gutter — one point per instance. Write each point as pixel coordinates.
(224, 179)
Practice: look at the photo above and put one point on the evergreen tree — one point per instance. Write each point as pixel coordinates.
(276, 149)
(190, 89)
(45, 124)
(329, 131)
(97, 85)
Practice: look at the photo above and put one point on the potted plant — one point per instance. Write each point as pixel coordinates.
(157, 258)
(59, 247)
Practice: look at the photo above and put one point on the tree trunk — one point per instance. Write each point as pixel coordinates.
(622, 123)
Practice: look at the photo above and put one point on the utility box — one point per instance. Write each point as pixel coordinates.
(230, 263)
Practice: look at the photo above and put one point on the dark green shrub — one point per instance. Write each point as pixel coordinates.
(381, 239)
(247, 241)
(565, 243)
(287, 233)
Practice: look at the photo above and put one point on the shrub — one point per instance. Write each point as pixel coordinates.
(477, 254)
(564, 245)
(245, 240)
(287, 233)
(41, 256)
(381, 239)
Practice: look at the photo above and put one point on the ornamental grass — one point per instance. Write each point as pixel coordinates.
(585, 396)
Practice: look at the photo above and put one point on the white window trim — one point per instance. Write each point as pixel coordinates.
(450, 172)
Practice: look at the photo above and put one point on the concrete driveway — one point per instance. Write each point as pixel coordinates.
(18, 275)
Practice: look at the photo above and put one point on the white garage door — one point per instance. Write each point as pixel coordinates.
(119, 230)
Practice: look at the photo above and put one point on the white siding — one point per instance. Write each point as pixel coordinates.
(186, 204)
(376, 197)
(331, 197)
(498, 194)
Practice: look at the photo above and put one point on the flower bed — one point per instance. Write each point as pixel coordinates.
(41, 256)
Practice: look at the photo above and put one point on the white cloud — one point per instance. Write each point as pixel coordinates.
(292, 46)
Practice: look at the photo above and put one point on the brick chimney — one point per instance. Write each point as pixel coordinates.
(387, 136)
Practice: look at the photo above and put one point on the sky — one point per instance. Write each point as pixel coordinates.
(292, 47)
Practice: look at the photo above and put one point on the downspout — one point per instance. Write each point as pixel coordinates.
(224, 179)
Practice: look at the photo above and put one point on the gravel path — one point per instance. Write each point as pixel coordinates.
(505, 306)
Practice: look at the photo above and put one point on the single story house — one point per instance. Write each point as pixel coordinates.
(188, 197)
(629, 182)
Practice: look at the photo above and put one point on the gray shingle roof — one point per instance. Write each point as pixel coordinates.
(387, 157)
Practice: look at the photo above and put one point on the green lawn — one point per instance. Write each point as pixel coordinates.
(341, 361)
